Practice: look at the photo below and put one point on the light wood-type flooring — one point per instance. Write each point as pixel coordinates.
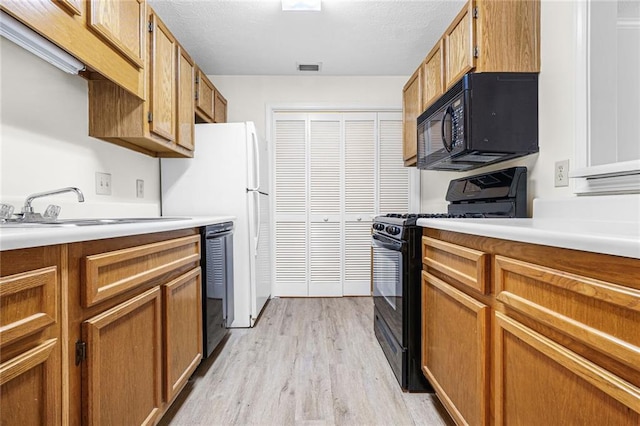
(309, 361)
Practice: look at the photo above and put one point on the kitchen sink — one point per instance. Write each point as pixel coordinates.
(87, 222)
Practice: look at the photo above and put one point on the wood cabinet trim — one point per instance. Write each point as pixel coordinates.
(96, 291)
(26, 361)
(44, 278)
(612, 385)
(72, 6)
(619, 349)
(625, 297)
(477, 282)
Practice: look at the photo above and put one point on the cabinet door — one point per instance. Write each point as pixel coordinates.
(432, 76)
(182, 330)
(455, 340)
(123, 366)
(219, 108)
(204, 97)
(411, 109)
(31, 390)
(186, 93)
(459, 42)
(538, 381)
(121, 24)
(162, 84)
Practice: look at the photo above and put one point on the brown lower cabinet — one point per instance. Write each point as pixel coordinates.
(30, 336)
(553, 338)
(103, 332)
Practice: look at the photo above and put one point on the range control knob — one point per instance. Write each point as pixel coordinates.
(378, 226)
(393, 230)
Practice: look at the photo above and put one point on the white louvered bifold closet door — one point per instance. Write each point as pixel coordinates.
(325, 199)
(290, 135)
(393, 177)
(333, 173)
(359, 200)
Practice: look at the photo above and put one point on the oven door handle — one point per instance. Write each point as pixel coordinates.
(387, 243)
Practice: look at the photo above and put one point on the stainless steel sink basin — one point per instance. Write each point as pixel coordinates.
(88, 222)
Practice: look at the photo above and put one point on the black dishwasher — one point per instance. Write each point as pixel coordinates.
(217, 283)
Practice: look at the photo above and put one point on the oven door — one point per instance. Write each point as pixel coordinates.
(388, 281)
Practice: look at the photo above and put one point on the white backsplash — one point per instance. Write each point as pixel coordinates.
(44, 145)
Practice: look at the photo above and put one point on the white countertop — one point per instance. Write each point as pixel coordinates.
(16, 238)
(616, 238)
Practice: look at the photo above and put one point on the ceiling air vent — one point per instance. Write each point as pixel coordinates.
(309, 67)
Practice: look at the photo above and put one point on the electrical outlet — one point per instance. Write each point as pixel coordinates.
(561, 173)
(139, 188)
(103, 183)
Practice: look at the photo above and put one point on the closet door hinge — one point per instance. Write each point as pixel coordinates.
(474, 12)
(476, 52)
(149, 116)
(150, 26)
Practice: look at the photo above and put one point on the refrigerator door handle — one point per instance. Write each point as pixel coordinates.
(256, 159)
(258, 223)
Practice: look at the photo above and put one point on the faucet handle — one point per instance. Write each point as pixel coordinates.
(51, 212)
(6, 210)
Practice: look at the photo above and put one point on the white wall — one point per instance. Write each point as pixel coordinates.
(249, 96)
(556, 114)
(44, 144)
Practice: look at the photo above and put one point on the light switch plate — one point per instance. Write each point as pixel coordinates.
(103, 183)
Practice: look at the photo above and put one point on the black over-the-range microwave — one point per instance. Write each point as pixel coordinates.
(485, 118)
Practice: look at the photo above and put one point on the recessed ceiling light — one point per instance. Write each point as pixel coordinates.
(301, 5)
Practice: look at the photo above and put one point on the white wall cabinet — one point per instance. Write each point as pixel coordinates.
(333, 173)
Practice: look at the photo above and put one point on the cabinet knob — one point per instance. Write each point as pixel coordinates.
(326, 219)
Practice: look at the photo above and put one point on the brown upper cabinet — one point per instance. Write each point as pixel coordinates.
(145, 91)
(186, 92)
(150, 126)
(204, 98)
(485, 36)
(433, 75)
(121, 24)
(219, 108)
(411, 108)
(211, 106)
(107, 36)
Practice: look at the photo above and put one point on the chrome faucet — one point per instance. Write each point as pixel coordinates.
(28, 214)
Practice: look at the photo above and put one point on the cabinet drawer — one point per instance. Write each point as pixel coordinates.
(465, 265)
(109, 274)
(27, 303)
(599, 314)
(538, 381)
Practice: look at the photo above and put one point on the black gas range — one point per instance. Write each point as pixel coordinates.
(397, 262)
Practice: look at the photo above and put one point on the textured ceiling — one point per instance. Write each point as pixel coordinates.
(349, 37)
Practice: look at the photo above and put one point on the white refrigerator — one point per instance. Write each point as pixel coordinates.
(229, 175)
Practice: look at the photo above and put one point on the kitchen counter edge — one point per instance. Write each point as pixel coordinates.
(614, 238)
(19, 238)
